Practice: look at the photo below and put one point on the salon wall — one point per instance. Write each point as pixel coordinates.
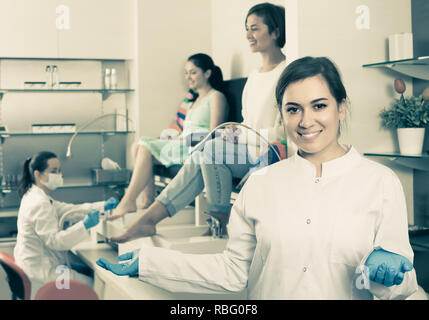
(230, 46)
(168, 32)
(333, 28)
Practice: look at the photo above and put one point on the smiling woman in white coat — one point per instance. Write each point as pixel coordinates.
(325, 223)
(41, 244)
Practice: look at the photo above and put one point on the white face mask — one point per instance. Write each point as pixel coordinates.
(55, 180)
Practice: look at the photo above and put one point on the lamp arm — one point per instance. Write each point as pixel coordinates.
(68, 153)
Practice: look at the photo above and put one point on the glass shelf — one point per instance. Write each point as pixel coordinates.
(8, 212)
(62, 59)
(68, 185)
(105, 132)
(416, 67)
(105, 92)
(7, 239)
(419, 161)
(67, 90)
(397, 155)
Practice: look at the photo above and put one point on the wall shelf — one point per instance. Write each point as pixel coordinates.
(62, 59)
(9, 212)
(25, 132)
(397, 155)
(71, 185)
(420, 162)
(416, 67)
(105, 92)
(8, 135)
(7, 240)
(102, 132)
(67, 90)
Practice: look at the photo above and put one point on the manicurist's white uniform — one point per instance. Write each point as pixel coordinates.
(40, 243)
(293, 236)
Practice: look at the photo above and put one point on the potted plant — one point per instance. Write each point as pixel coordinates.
(408, 116)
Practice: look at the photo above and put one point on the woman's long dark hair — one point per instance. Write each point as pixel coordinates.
(37, 162)
(205, 62)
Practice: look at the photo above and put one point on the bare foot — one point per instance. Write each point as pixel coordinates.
(145, 204)
(122, 209)
(139, 229)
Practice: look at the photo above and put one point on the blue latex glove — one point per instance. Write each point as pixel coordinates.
(130, 268)
(110, 203)
(91, 219)
(387, 268)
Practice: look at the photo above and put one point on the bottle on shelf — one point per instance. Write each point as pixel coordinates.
(107, 78)
(55, 82)
(113, 79)
(49, 80)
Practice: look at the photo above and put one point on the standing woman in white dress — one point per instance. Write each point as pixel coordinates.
(326, 223)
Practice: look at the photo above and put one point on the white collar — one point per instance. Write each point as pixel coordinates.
(36, 189)
(331, 168)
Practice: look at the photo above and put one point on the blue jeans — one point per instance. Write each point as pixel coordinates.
(213, 169)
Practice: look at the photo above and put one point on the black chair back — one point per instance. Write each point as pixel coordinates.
(233, 92)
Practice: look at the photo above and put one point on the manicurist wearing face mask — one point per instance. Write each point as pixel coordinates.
(41, 245)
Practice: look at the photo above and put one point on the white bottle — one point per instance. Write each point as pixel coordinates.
(113, 79)
(55, 77)
(49, 80)
(107, 79)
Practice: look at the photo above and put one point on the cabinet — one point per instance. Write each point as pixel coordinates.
(26, 102)
(27, 28)
(98, 29)
(66, 29)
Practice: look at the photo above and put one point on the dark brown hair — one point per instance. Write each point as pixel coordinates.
(37, 162)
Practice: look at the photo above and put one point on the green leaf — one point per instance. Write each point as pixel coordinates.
(406, 113)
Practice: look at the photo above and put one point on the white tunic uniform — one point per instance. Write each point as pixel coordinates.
(295, 236)
(40, 243)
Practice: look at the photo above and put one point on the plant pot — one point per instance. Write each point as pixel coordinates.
(411, 140)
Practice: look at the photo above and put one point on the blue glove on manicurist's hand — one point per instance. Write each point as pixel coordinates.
(387, 268)
(110, 203)
(91, 220)
(130, 268)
